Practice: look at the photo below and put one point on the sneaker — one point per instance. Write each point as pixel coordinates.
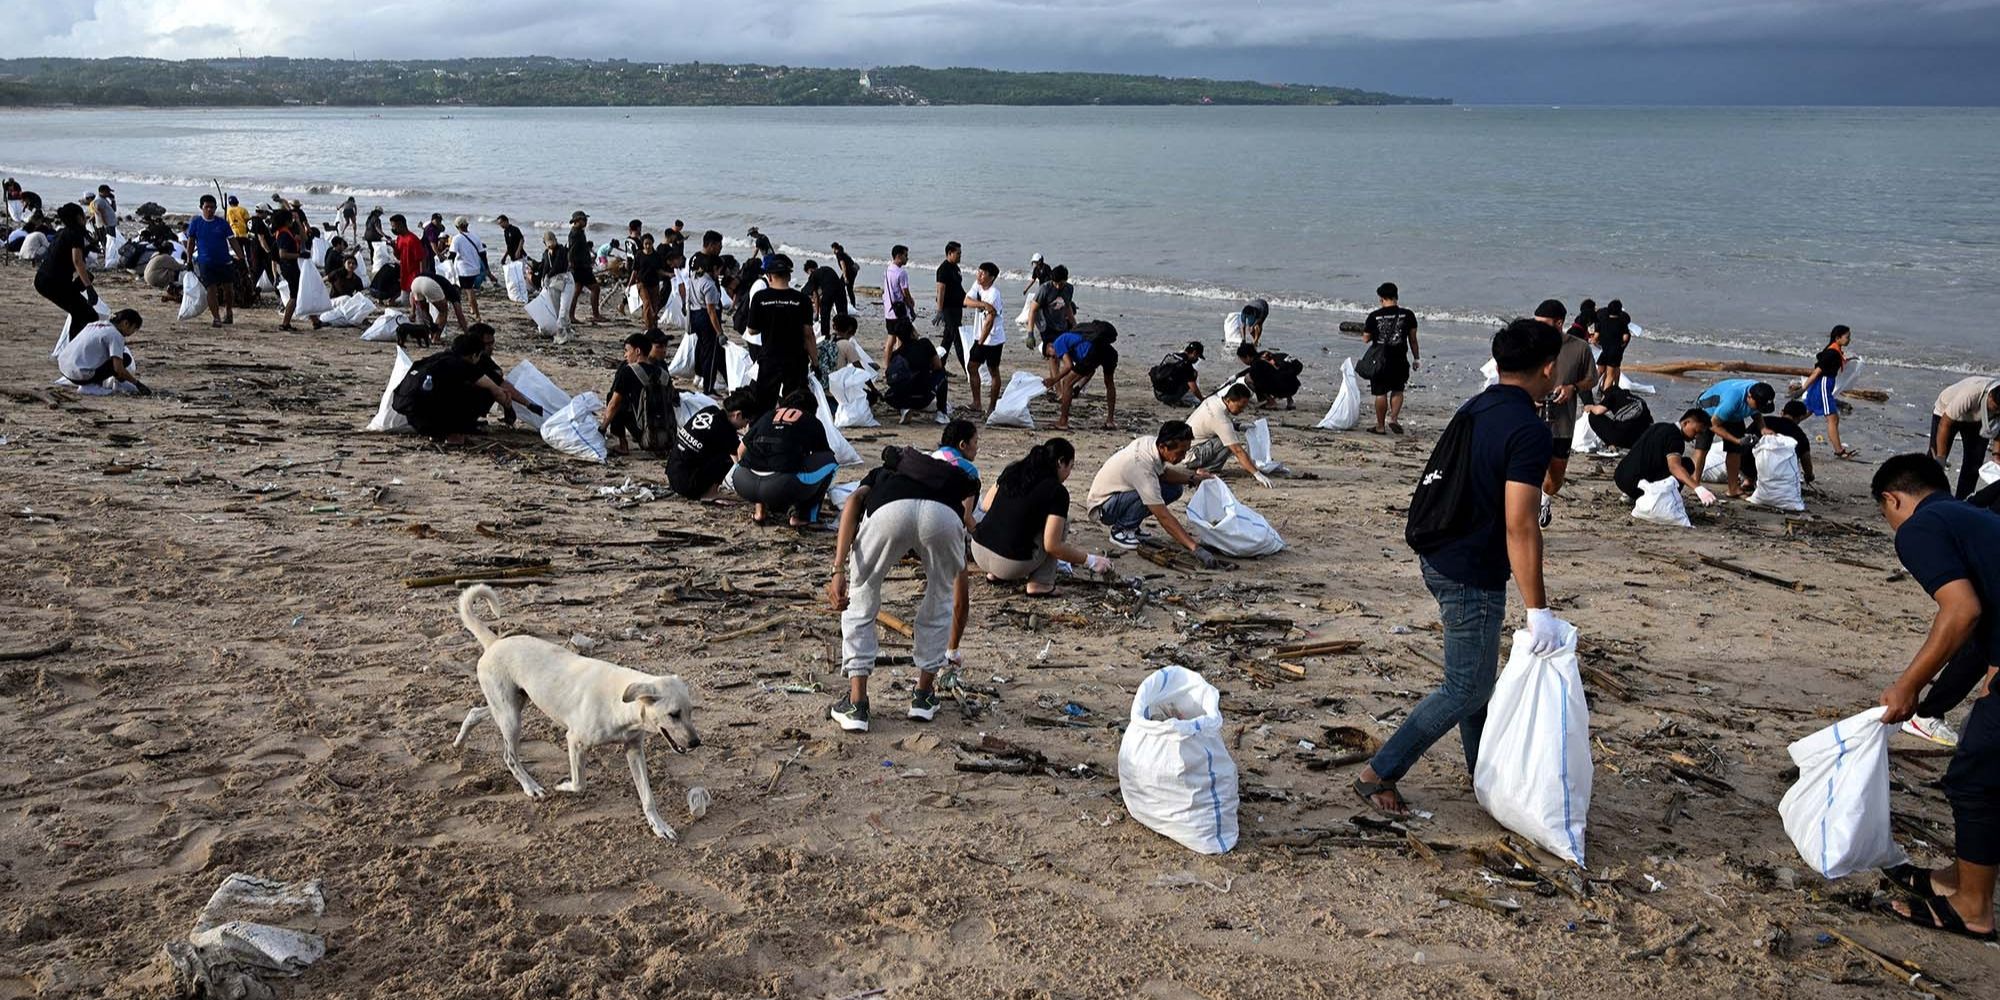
(1935, 730)
(849, 716)
(923, 705)
(1548, 510)
(943, 417)
(1126, 538)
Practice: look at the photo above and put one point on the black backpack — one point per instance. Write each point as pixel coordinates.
(1097, 331)
(656, 408)
(417, 386)
(1441, 506)
(1171, 375)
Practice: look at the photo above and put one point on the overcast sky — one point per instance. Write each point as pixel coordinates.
(1476, 51)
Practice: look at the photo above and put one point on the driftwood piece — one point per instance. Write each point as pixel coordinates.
(765, 625)
(36, 653)
(1902, 968)
(1680, 369)
(474, 574)
(895, 624)
(1663, 947)
(1328, 647)
(1755, 574)
(1503, 907)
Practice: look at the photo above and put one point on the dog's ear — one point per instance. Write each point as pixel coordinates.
(641, 692)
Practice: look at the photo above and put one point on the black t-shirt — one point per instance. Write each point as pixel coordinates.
(626, 386)
(1391, 327)
(1510, 443)
(582, 256)
(1829, 361)
(1647, 461)
(646, 266)
(919, 354)
(826, 284)
(953, 281)
(1789, 428)
(510, 236)
(780, 441)
(707, 441)
(56, 264)
(885, 486)
(1014, 526)
(783, 316)
(1612, 328)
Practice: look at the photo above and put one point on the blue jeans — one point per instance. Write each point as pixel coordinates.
(1472, 617)
(1125, 511)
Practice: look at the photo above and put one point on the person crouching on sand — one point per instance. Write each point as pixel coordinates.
(1026, 529)
(98, 352)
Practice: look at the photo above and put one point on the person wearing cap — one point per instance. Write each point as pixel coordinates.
(1038, 272)
(1575, 377)
(1246, 325)
(583, 269)
(1391, 331)
(827, 292)
(1176, 382)
(1735, 408)
(104, 208)
(1968, 410)
(781, 317)
(471, 257)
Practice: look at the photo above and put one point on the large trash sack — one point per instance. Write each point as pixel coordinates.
(738, 369)
(1715, 468)
(1534, 767)
(573, 431)
(386, 417)
(194, 298)
(538, 387)
(62, 339)
(1346, 409)
(1780, 483)
(1989, 474)
(849, 387)
(1257, 441)
(1660, 502)
(349, 310)
(682, 365)
(843, 452)
(1584, 440)
(313, 298)
(1227, 525)
(1023, 388)
(546, 313)
(692, 403)
(34, 246)
(516, 275)
(240, 938)
(1174, 768)
(1837, 813)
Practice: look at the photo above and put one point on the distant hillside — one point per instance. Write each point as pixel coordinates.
(538, 81)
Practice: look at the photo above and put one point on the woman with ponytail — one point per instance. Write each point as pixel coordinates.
(1027, 521)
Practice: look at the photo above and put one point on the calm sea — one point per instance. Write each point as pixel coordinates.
(1720, 228)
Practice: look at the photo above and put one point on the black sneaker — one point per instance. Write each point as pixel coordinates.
(923, 705)
(849, 715)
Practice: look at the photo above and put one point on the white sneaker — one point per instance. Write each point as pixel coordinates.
(943, 417)
(1935, 730)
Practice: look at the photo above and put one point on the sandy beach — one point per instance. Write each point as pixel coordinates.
(249, 686)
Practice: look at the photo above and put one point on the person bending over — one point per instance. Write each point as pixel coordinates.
(1216, 437)
(1076, 356)
(444, 395)
(98, 352)
(1660, 453)
(1139, 481)
(916, 377)
(1176, 382)
(1737, 406)
(1967, 411)
(705, 445)
(1026, 529)
(785, 462)
(1272, 375)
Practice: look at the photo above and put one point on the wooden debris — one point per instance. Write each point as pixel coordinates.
(1676, 803)
(475, 574)
(1597, 677)
(35, 653)
(1680, 369)
(895, 624)
(1503, 907)
(1327, 647)
(1663, 947)
(779, 771)
(765, 625)
(1696, 776)
(1755, 574)
(1902, 968)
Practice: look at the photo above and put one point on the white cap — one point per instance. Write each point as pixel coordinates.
(1036, 259)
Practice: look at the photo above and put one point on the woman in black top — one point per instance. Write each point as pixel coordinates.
(785, 461)
(63, 278)
(285, 245)
(646, 266)
(1027, 521)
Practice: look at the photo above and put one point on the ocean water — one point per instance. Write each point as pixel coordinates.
(1723, 230)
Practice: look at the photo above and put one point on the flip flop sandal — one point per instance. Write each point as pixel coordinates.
(1368, 790)
(1935, 913)
(1395, 428)
(1913, 879)
(1376, 430)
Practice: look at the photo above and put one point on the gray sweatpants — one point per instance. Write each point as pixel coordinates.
(1210, 454)
(1040, 570)
(937, 534)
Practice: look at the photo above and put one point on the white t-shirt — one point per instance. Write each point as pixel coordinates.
(467, 248)
(81, 357)
(973, 317)
(427, 289)
(1232, 329)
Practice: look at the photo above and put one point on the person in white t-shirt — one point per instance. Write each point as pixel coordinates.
(985, 333)
(98, 352)
(467, 249)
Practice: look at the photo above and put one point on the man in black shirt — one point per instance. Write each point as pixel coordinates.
(491, 369)
(510, 236)
(1660, 454)
(950, 301)
(445, 394)
(1614, 331)
(1795, 413)
(917, 379)
(705, 446)
(828, 294)
(583, 268)
(781, 316)
(1391, 332)
(633, 409)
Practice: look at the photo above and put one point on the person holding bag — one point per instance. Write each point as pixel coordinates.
(1391, 335)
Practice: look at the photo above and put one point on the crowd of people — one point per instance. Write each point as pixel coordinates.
(1476, 516)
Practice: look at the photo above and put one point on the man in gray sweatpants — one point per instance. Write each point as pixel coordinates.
(921, 506)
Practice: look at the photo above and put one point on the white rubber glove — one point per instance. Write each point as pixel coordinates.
(1544, 631)
(1096, 563)
(1705, 495)
(1264, 480)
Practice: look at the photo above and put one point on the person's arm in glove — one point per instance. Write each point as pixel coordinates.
(1544, 631)
(1524, 556)
(1264, 480)
(1205, 556)
(1682, 469)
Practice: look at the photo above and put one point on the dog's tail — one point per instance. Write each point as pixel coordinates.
(473, 625)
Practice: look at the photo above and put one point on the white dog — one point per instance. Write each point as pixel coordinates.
(597, 702)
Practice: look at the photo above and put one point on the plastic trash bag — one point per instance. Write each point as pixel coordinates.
(349, 310)
(849, 386)
(383, 330)
(34, 246)
(738, 369)
(1491, 369)
(194, 298)
(1534, 768)
(635, 300)
(317, 253)
(1780, 484)
(1346, 409)
(1023, 388)
(1660, 502)
(1625, 382)
(682, 366)
(573, 431)
(843, 452)
(1257, 440)
(1989, 474)
(515, 274)
(692, 403)
(1584, 439)
(1837, 813)
(62, 339)
(546, 312)
(1174, 769)
(1227, 525)
(531, 383)
(841, 493)
(238, 939)
(386, 417)
(266, 285)
(1715, 468)
(312, 293)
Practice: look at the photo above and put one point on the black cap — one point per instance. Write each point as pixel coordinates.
(1195, 346)
(1551, 309)
(780, 264)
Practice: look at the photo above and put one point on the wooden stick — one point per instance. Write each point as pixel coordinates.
(1326, 647)
(473, 574)
(1754, 574)
(1663, 947)
(1681, 368)
(36, 653)
(895, 624)
(768, 623)
(1675, 803)
(1910, 972)
(1474, 899)
(772, 785)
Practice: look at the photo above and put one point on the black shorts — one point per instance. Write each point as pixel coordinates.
(984, 354)
(584, 279)
(1612, 358)
(213, 275)
(900, 327)
(1706, 439)
(1388, 386)
(1102, 356)
(468, 283)
(693, 480)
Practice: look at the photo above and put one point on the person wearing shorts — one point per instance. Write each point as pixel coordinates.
(986, 335)
(1391, 331)
(212, 248)
(1823, 383)
(1077, 359)
(1734, 406)
(1614, 332)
